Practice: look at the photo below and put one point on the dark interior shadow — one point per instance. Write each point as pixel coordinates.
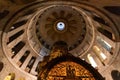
(115, 75)
(1, 66)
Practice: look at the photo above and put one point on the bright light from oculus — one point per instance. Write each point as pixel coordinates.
(60, 26)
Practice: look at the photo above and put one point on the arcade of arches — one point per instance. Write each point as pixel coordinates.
(59, 39)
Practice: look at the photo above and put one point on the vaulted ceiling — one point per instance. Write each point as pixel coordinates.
(29, 28)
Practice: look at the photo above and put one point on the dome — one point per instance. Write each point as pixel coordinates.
(30, 30)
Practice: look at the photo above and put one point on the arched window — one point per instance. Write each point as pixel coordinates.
(43, 51)
(30, 64)
(100, 20)
(92, 61)
(104, 44)
(99, 53)
(113, 9)
(18, 24)
(106, 33)
(17, 48)
(23, 58)
(13, 37)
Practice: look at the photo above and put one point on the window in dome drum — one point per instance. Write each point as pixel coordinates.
(113, 9)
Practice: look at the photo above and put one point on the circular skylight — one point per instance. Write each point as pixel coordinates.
(60, 26)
